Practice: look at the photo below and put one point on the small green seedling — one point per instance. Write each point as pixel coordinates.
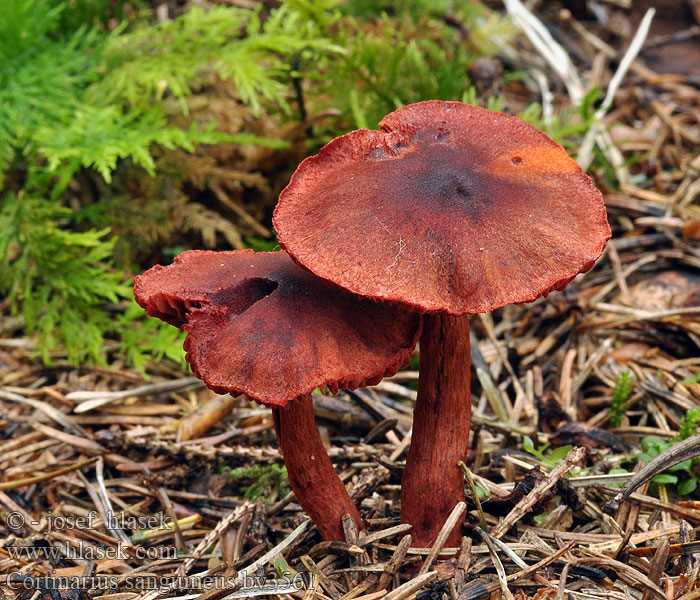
(689, 424)
(621, 393)
(552, 459)
(681, 475)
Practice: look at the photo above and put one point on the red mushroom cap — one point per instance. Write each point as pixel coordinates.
(259, 325)
(447, 208)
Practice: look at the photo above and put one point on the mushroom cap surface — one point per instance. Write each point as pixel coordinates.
(446, 208)
(258, 324)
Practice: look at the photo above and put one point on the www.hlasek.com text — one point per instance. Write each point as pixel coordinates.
(80, 550)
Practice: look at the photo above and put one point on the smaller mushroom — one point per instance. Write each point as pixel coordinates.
(259, 325)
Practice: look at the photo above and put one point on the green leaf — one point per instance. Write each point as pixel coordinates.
(280, 565)
(482, 492)
(687, 486)
(528, 445)
(541, 518)
(559, 454)
(665, 478)
(691, 380)
(653, 445)
(681, 466)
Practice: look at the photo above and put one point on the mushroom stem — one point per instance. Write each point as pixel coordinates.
(318, 489)
(432, 480)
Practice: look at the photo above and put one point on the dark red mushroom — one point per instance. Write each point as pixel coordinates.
(449, 209)
(259, 325)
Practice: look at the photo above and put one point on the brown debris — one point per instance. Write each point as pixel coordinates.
(581, 434)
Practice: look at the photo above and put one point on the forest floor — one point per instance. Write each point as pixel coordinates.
(610, 365)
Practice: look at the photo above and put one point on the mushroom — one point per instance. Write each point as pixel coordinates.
(259, 325)
(448, 209)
